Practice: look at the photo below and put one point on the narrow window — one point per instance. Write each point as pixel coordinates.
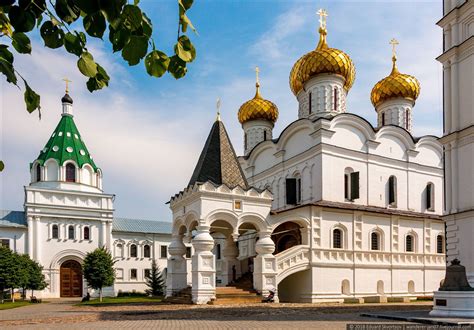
(264, 135)
(354, 185)
(310, 103)
(38, 172)
(87, 233)
(55, 231)
(375, 241)
(70, 232)
(298, 190)
(430, 197)
(409, 243)
(383, 118)
(119, 251)
(291, 191)
(407, 118)
(218, 252)
(133, 251)
(439, 244)
(337, 238)
(164, 252)
(188, 252)
(5, 243)
(146, 251)
(245, 141)
(346, 186)
(70, 172)
(133, 274)
(335, 99)
(147, 273)
(392, 190)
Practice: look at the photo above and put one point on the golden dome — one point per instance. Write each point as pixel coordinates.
(395, 85)
(258, 108)
(322, 60)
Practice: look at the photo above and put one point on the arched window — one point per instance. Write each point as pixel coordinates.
(87, 233)
(392, 191)
(410, 243)
(218, 252)
(411, 287)
(337, 238)
(293, 190)
(380, 287)
(375, 241)
(351, 184)
(310, 103)
(70, 232)
(55, 231)
(133, 251)
(146, 251)
(119, 250)
(383, 118)
(430, 197)
(70, 172)
(51, 170)
(439, 244)
(407, 118)
(38, 172)
(264, 135)
(346, 287)
(335, 98)
(245, 141)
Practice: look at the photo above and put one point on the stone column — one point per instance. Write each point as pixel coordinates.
(230, 254)
(177, 273)
(203, 264)
(264, 274)
(31, 237)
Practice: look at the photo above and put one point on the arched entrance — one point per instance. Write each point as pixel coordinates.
(71, 279)
(286, 236)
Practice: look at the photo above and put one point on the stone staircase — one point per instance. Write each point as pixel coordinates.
(240, 292)
(182, 297)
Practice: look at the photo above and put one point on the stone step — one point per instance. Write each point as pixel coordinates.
(236, 301)
(238, 296)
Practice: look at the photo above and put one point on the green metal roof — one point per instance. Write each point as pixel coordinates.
(66, 144)
(14, 219)
(141, 226)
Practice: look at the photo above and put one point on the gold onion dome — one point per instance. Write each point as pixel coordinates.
(395, 85)
(258, 108)
(322, 60)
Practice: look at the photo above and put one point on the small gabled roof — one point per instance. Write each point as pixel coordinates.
(15, 219)
(218, 162)
(141, 226)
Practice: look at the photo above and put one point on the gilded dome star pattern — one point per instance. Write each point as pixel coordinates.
(258, 108)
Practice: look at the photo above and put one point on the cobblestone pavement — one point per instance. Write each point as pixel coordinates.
(157, 316)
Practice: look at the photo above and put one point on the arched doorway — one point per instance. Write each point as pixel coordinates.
(286, 236)
(71, 279)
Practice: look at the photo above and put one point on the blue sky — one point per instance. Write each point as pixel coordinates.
(146, 133)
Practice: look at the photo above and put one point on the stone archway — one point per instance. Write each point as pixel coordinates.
(286, 235)
(70, 279)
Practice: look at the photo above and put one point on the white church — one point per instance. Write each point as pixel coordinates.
(332, 208)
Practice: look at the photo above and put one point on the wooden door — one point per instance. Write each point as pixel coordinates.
(71, 279)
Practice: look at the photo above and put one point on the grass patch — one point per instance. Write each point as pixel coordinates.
(16, 304)
(121, 301)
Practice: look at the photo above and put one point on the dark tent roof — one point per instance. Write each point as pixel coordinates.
(218, 162)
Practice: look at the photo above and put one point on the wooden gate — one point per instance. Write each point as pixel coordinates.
(71, 279)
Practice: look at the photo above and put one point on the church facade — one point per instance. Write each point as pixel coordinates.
(330, 209)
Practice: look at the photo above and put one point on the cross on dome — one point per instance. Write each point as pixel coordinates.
(394, 42)
(322, 18)
(67, 84)
(218, 107)
(257, 71)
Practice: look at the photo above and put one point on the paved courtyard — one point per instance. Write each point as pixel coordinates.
(61, 314)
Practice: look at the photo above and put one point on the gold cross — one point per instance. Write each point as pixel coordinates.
(394, 42)
(218, 106)
(322, 18)
(67, 84)
(257, 71)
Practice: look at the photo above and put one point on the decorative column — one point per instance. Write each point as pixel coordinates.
(203, 265)
(264, 274)
(177, 273)
(231, 264)
(31, 237)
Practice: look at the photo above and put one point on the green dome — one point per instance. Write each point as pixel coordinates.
(66, 144)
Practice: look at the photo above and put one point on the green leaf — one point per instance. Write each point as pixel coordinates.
(147, 26)
(32, 99)
(67, 10)
(111, 8)
(73, 44)
(185, 22)
(21, 43)
(86, 65)
(52, 35)
(2, 166)
(6, 54)
(136, 2)
(88, 6)
(21, 20)
(185, 49)
(6, 64)
(156, 63)
(177, 67)
(94, 24)
(132, 17)
(135, 50)
(100, 81)
(118, 38)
